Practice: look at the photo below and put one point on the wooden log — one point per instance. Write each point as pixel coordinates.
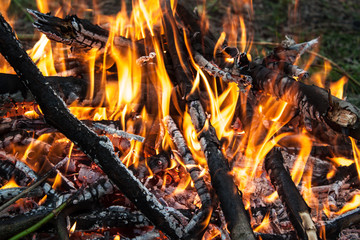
(79, 33)
(111, 217)
(9, 226)
(99, 149)
(336, 225)
(221, 180)
(315, 104)
(297, 209)
(13, 90)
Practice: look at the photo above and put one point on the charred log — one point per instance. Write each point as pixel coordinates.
(12, 90)
(336, 225)
(79, 33)
(114, 216)
(297, 209)
(315, 104)
(98, 148)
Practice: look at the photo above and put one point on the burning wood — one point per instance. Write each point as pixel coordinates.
(195, 169)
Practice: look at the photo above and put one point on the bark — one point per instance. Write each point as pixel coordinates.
(99, 149)
(297, 209)
(13, 90)
(8, 193)
(315, 104)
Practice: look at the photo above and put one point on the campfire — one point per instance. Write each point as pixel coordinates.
(148, 125)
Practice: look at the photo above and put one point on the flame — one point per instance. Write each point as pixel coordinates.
(57, 181)
(337, 88)
(299, 165)
(341, 161)
(117, 237)
(356, 153)
(10, 184)
(72, 229)
(42, 6)
(354, 203)
(272, 197)
(264, 224)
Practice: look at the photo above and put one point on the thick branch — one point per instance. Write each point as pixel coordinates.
(314, 103)
(297, 209)
(97, 148)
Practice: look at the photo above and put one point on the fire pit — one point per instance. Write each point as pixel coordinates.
(144, 125)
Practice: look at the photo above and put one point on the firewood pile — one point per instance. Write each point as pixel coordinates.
(150, 127)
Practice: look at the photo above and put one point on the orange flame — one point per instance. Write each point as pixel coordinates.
(10, 184)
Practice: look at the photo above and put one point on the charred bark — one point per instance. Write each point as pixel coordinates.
(114, 216)
(297, 209)
(98, 148)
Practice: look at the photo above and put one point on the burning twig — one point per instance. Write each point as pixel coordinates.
(120, 133)
(346, 220)
(296, 207)
(47, 218)
(217, 72)
(8, 193)
(98, 148)
(114, 216)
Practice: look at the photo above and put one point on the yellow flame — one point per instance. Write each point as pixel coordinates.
(341, 161)
(10, 184)
(264, 224)
(337, 88)
(354, 203)
(299, 165)
(72, 229)
(356, 153)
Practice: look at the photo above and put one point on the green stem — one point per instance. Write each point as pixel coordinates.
(23, 193)
(41, 222)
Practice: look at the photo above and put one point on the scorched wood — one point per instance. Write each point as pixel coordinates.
(99, 149)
